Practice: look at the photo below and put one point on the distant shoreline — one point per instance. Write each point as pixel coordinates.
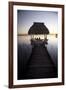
(35, 34)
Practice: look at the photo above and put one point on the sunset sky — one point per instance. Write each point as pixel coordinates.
(25, 19)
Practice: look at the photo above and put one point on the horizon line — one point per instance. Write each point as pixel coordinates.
(36, 34)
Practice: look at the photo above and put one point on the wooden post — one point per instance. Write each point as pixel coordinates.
(31, 36)
(44, 36)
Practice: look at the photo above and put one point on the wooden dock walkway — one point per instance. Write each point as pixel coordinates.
(40, 64)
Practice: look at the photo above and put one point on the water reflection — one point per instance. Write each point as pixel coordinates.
(25, 50)
(52, 45)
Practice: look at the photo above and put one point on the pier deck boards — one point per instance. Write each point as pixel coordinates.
(40, 64)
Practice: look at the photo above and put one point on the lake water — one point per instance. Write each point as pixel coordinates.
(52, 45)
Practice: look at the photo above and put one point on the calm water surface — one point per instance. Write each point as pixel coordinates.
(52, 45)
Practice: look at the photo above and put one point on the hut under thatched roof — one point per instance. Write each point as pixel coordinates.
(38, 28)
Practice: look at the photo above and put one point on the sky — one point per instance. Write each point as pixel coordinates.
(26, 18)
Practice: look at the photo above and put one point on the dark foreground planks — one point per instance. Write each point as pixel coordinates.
(39, 65)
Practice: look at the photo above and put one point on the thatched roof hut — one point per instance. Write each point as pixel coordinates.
(38, 28)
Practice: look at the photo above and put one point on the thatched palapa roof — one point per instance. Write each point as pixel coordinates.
(38, 28)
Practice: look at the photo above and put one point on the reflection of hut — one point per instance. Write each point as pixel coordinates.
(38, 29)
